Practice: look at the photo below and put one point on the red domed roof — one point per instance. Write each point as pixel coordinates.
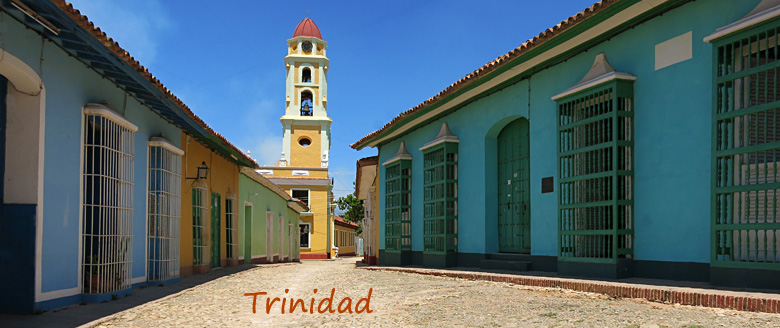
(307, 28)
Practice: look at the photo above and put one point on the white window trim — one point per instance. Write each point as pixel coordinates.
(308, 234)
(300, 74)
(176, 173)
(308, 195)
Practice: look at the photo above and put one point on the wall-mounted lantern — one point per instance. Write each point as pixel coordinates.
(203, 172)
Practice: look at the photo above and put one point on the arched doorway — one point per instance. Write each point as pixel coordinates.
(514, 201)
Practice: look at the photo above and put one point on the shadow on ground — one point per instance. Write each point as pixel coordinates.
(78, 315)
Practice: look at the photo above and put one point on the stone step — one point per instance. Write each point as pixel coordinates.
(509, 257)
(506, 265)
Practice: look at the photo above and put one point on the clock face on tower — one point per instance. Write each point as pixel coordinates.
(306, 46)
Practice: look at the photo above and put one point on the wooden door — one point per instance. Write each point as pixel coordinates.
(215, 229)
(514, 210)
(247, 234)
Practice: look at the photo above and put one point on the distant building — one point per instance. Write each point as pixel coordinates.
(345, 238)
(367, 190)
(634, 139)
(303, 169)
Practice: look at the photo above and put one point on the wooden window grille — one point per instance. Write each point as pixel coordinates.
(595, 169)
(107, 209)
(164, 211)
(398, 205)
(201, 226)
(746, 150)
(440, 198)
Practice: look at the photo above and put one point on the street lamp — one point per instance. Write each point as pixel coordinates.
(203, 172)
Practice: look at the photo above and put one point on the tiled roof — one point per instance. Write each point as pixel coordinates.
(352, 224)
(112, 45)
(543, 37)
(307, 28)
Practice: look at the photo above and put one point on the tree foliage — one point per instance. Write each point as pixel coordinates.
(353, 210)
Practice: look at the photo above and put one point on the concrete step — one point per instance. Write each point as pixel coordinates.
(509, 257)
(506, 265)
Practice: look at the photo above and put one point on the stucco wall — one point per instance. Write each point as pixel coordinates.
(222, 178)
(672, 152)
(69, 86)
(259, 200)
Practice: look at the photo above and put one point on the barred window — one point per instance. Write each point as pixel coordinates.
(164, 210)
(398, 205)
(231, 227)
(440, 198)
(200, 227)
(746, 154)
(107, 209)
(595, 159)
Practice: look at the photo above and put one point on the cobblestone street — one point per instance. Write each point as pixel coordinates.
(402, 299)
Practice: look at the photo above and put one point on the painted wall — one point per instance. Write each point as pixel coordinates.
(259, 200)
(309, 155)
(345, 240)
(69, 86)
(318, 204)
(222, 178)
(672, 150)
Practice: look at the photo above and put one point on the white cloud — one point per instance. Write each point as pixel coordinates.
(267, 150)
(137, 25)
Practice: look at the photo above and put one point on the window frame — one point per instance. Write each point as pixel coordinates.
(308, 235)
(575, 207)
(308, 196)
(731, 187)
(171, 175)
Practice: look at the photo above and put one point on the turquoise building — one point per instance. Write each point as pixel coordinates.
(634, 139)
(91, 163)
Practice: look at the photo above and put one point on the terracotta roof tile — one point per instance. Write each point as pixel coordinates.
(493, 65)
(112, 45)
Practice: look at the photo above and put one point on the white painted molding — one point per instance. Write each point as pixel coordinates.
(599, 73)
(300, 173)
(765, 10)
(265, 172)
(400, 155)
(601, 79)
(162, 142)
(102, 110)
(445, 135)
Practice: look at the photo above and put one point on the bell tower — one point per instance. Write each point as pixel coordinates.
(306, 141)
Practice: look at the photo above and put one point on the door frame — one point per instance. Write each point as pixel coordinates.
(525, 188)
(269, 236)
(248, 214)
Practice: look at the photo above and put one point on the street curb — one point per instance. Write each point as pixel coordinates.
(97, 322)
(740, 301)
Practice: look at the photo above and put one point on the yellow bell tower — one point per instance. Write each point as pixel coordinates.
(303, 168)
(306, 124)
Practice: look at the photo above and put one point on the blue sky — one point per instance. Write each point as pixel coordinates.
(225, 59)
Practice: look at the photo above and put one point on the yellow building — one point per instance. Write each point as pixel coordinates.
(303, 168)
(344, 236)
(210, 238)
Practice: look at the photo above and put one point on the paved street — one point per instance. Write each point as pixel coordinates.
(402, 299)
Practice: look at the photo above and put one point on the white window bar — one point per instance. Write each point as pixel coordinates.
(231, 227)
(200, 224)
(164, 210)
(107, 226)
